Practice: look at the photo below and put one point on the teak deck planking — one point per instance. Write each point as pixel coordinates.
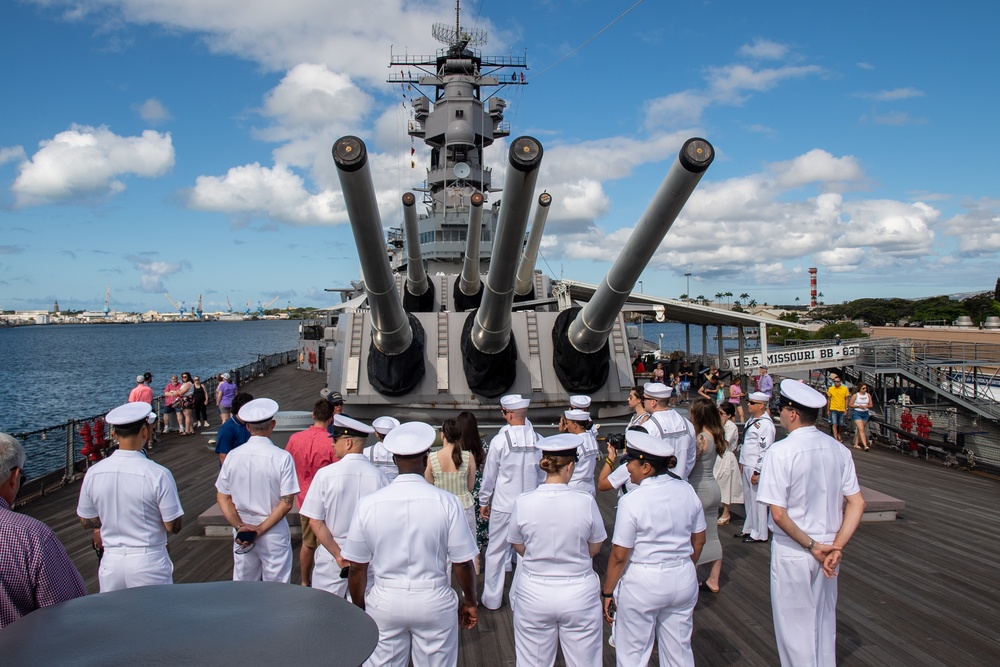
(921, 590)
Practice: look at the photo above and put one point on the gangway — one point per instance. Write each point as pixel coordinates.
(805, 357)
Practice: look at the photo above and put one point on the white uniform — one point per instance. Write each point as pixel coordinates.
(657, 594)
(381, 458)
(620, 477)
(412, 600)
(332, 499)
(670, 425)
(133, 497)
(809, 474)
(583, 474)
(256, 475)
(557, 589)
(758, 435)
(511, 469)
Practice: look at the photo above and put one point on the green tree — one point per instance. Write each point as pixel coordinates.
(996, 291)
(980, 307)
(845, 329)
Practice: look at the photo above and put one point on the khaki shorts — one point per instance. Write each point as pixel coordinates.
(308, 536)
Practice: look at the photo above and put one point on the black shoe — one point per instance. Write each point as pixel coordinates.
(749, 540)
(742, 535)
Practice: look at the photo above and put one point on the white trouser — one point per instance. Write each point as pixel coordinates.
(131, 567)
(804, 606)
(756, 523)
(656, 601)
(415, 619)
(567, 609)
(326, 574)
(498, 560)
(269, 560)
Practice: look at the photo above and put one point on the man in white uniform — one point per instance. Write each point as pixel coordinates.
(377, 454)
(805, 479)
(668, 424)
(134, 503)
(758, 435)
(408, 533)
(511, 469)
(256, 488)
(333, 497)
(578, 422)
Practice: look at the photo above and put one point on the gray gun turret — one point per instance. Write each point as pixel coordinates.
(396, 362)
(488, 352)
(524, 287)
(470, 286)
(418, 297)
(581, 358)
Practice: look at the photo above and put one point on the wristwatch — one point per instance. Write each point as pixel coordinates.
(607, 595)
(812, 544)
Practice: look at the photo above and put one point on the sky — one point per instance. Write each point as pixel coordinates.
(183, 146)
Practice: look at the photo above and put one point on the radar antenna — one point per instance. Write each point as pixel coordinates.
(458, 36)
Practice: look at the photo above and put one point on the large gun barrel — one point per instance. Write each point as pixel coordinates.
(526, 269)
(590, 330)
(491, 332)
(416, 277)
(391, 331)
(470, 282)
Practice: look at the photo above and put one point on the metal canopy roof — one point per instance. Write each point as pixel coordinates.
(682, 311)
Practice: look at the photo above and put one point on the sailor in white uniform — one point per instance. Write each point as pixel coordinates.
(377, 454)
(256, 489)
(578, 422)
(805, 479)
(668, 424)
(557, 530)
(511, 469)
(659, 534)
(334, 495)
(134, 503)
(758, 435)
(408, 533)
(582, 402)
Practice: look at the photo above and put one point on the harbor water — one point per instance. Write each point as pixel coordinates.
(52, 373)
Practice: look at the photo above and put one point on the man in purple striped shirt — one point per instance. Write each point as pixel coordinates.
(35, 570)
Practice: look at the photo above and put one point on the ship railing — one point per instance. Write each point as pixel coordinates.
(53, 452)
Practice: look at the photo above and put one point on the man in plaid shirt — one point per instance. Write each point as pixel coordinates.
(35, 570)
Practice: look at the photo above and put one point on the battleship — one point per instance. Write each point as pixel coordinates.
(451, 312)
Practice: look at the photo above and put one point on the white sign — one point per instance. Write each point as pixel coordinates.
(833, 355)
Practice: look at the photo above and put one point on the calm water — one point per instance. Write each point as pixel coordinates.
(49, 374)
(674, 338)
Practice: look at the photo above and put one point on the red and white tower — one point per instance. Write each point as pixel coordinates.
(812, 287)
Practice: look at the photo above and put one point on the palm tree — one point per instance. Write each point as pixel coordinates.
(683, 297)
(796, 301)
(718, 297)
(700, 298)
(744, 296)
(752, 302)
(728, 296)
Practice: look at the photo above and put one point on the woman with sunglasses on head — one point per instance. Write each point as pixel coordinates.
(659, 534)
(557, 531)
(200, 397)
(861, 403)
(185, 404)
(712, 445)
(727, 468)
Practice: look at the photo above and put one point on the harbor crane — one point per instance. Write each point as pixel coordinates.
(179, 306)
(107, 301)
(198, 311)
(247, 311)
(261, 307)
(230, 305)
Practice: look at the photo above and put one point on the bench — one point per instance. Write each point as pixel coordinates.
(880, 506)
(216, 525)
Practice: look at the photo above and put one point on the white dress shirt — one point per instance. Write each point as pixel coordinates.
(256, 475)
(511, 468)
(670, 425)
(657, 520)
(556, 524)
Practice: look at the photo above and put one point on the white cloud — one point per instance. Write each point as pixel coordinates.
(153, 271)
(867, 66)
(893, 94)
(978, 231)
(88, 161)
(764, 49)
(816, 166)
(11, 154)
(152, 111)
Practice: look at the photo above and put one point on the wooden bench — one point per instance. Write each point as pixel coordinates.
(216, 525)
(880, 506)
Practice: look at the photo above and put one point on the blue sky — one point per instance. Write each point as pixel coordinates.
(184, 146)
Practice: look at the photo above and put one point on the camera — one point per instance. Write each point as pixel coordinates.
(616, 440)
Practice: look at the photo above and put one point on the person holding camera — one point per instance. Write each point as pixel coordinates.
(659, 534)
(256, 489)
(557, 531)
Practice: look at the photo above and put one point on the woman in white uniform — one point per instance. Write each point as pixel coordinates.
(557, 531)
(578, 422)
(659, 534)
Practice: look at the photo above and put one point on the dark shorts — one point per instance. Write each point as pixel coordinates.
(836, 418)
(225, 410)
(860, 416)
(169, 410)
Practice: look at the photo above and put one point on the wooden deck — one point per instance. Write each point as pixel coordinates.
(922, 590)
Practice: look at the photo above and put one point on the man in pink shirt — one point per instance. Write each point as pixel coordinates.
(141, 392)
(311, 450)
(170, 393)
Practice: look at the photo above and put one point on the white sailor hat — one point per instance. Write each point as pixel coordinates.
(410, 438)
(343, 425)
(514, 402)
(561, 444)
(800, 394)
(758, 397)
(140, 379)
(225, 376)
(129, 413)
(258, 410)
(656, 390)
(385, 424)
(151, 418)
(580, 401)
(647, 446)
(577, 415)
